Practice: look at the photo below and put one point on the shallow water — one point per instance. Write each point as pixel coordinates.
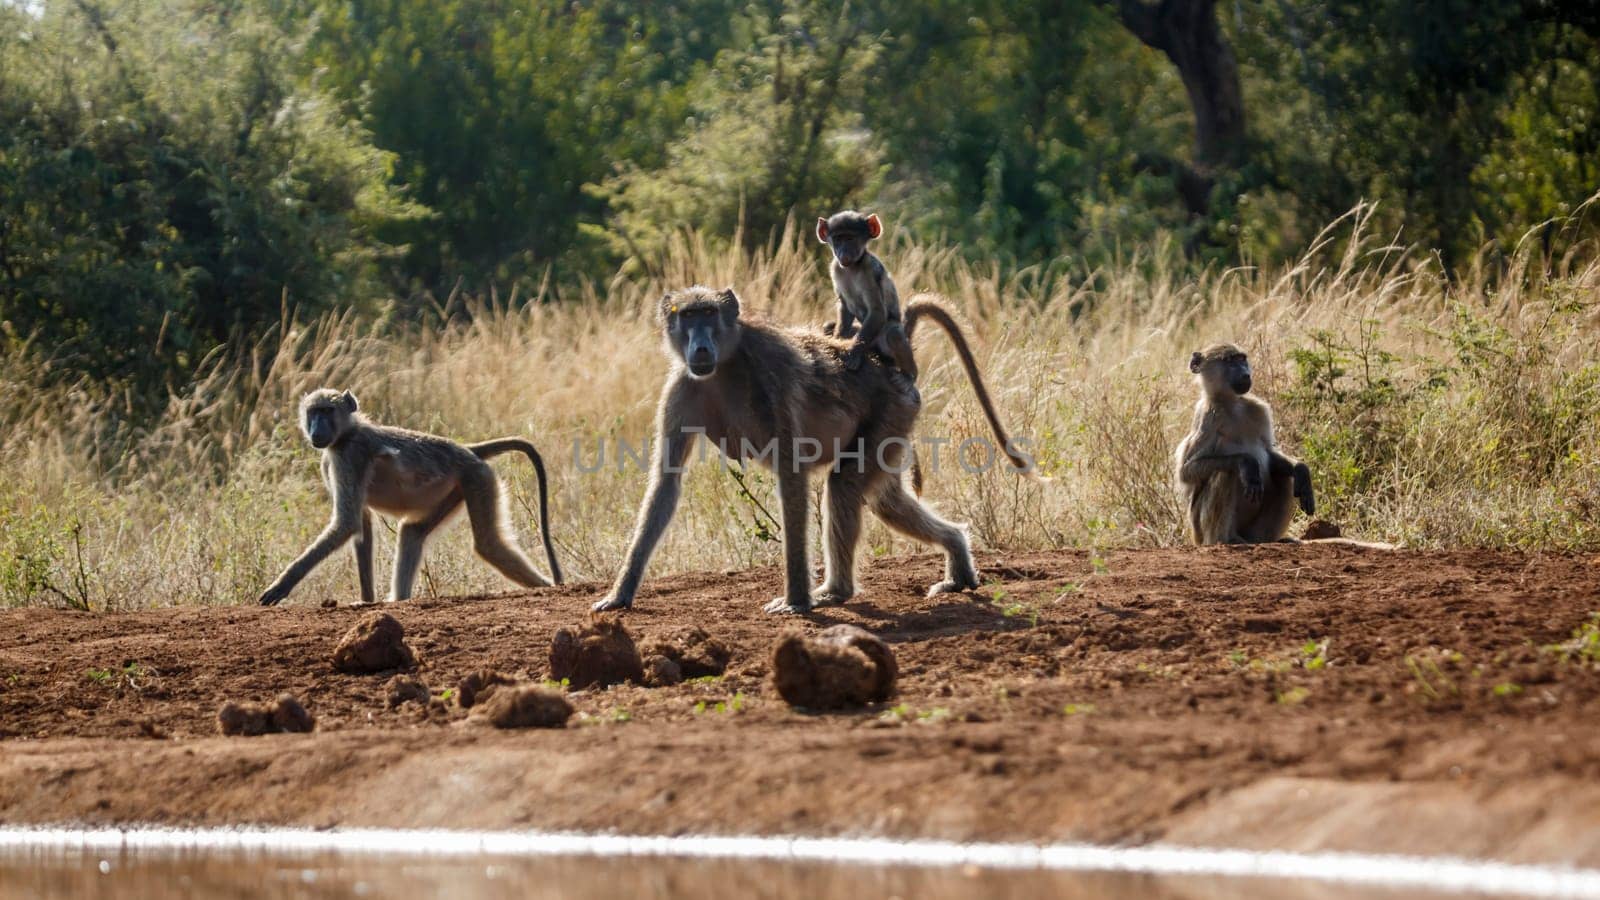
(285, 863)
(207, 874)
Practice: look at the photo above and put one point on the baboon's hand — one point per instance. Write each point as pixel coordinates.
(1250, 474)
(272, 596)
(1303, 492)
(611, 603)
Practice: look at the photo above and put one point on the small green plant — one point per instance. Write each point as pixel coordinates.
(562, 685)
(1429, 677)
(1077, 709)
(1507, 689)
(131, 676)
(1314, 654)
(619, 715)
(1293, 696)
(724, 707)
(1239, 658)
(904, 713)
(1584, 645)
(447, 694)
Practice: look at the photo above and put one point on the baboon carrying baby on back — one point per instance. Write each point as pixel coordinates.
(788, 400)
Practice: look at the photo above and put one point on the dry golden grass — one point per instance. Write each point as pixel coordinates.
(1431, 413)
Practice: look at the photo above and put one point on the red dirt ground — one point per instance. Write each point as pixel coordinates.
(1157, 695)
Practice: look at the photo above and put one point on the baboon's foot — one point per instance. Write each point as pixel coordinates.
(272, 596)
(782, 606)
(831, 596)
(954, 586)
(611, 603)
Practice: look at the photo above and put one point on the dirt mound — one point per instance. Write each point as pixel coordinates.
(682, 653)
(479, 686)
(599, 653)
(251, 719)
(1319, 530)
(839, 667)
(526, 706)
(403, 689)
(375, 644)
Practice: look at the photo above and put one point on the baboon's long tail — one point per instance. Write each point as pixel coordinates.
(491, 449)
(925, 306)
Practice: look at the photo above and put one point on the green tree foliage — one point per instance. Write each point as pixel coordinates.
(502, 112)
(166, 183)
(776, 128)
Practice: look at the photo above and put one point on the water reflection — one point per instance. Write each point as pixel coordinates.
(326, 876)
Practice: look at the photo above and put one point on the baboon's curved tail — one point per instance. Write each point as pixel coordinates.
(923, 306)
(491, 449)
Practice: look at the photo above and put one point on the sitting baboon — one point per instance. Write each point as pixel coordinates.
(418, 477)
(786, 399)
(1233, 483)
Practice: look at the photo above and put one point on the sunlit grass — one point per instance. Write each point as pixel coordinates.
(1431, 412)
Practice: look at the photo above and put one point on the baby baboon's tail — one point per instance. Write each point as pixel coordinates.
(926, 306)
(491, 449)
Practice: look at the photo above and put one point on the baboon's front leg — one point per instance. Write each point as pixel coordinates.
(363, 545)
(846, 326)
(1302, 489)
(332, 538)
(660, 501)
(791, 472)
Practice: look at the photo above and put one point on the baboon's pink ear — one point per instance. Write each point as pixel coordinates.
(822, 229)
(1195, 361)
(349, 401)
(730, 304)
(665, 307)
(874, 225)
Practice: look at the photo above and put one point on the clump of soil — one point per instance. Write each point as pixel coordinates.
(375, 644)
(599, 653)
(683, 653)
(527, 706)
(405, 689)
(479, 686)
(837, 668)
(1320, 529)
(251, 719)
(660, 671)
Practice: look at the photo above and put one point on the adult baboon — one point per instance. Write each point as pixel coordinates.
(1232, 481)
(787, 400)
(421, 478)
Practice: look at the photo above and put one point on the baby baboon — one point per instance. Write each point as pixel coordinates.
(1232, 481)
(865, 290)
(786, 399)
(418, 477)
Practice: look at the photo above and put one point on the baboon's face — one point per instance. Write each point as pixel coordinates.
(702, 327)
(1222, 365)
(325, 416)
(847, 233)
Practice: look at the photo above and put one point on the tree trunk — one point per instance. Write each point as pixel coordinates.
(1187, 32)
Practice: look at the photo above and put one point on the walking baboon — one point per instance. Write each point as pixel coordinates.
(787, 400)
(1232, 481)
(865, 290)
(418, 477)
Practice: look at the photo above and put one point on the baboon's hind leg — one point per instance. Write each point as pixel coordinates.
(906, 514)
(1272, 516)
(413, 540)
(482, 492)
(841, 532)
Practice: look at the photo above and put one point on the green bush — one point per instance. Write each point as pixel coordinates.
(167, 186)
